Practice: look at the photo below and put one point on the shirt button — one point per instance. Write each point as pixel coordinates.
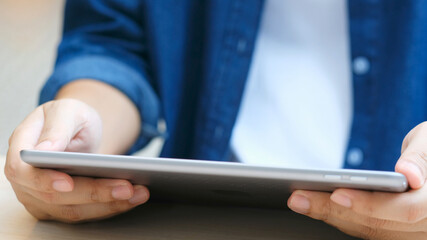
(218, 132)
(355, 156)
(241, 45)
(361, 65)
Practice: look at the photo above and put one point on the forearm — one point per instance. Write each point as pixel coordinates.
(120, 117)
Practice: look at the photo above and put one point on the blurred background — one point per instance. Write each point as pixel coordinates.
(29, 34)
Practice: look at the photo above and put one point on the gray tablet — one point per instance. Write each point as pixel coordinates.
(214, 182)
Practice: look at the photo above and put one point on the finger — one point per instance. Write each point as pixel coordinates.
(62, 124)
(324, 207)
(413, 164)
(413, 161)
(43, 180)
(88, 212)
(316, 205)
(25, 137)
(406, 211)
(320, 207)
(89, 190)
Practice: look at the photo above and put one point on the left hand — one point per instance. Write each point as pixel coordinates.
(377, 215)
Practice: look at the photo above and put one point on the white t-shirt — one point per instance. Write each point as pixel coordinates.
(297, 106)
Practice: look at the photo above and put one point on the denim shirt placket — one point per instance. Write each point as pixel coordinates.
(231, 73)
(364, 27)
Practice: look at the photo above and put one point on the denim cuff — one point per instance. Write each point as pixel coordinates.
(133, 83)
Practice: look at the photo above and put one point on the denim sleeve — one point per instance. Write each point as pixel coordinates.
(104, 40)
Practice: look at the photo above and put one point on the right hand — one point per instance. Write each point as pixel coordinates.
(65, 125)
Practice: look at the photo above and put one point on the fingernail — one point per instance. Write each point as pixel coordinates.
(45, 145)
(62, 186)
(299, 204)
(139, 196)
(121, 192)
(415, 169)
(341, 199)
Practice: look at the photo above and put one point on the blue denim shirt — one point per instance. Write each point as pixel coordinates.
(187, 61)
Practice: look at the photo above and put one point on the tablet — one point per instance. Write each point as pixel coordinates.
(212, 182)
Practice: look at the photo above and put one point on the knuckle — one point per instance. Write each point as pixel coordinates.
(12, 136)
(122, 182)
(71, 213)
(369, 232)
(422, 160)
(118, 206)
(340, 213)
(23, 199)
(348, 231)
(16, 132)
(48, 133)
(41, 182)
(49, 198)
(326, 212)
(37, 181)
(10, 172)
(422, 155)
(417, 156)
(376, 223)
(37, 213)
(49, 105)
(416, 212)
(94, 191)
(27, 201)
(369, 211)
(11, 167)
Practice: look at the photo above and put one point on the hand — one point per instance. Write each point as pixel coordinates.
(65, 125)
(377, 215)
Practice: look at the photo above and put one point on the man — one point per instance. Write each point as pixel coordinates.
(243, 78)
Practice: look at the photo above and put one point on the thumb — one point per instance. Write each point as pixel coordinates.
(413, 160)
(59, 127)
(414, 168)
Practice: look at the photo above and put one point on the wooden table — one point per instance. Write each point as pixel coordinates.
(164, 221)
